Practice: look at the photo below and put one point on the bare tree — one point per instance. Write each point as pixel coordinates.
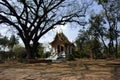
(33, 18)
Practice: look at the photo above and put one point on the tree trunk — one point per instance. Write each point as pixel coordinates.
(30, 50)
(116, 39)
(116, 48)
(30, 54)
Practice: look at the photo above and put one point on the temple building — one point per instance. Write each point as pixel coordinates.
(61, 45)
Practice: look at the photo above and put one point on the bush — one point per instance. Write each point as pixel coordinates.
(84, 55)
(70, 57)
(2, 56)
(6, 55)
(19, 53)
(76, 54)
(43, 55)
(100, 56)
(46, 55)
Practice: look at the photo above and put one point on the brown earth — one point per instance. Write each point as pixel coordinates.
(81, 69)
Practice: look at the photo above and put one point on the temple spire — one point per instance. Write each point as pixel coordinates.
(60, 30)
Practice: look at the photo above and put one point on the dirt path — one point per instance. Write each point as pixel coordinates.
(76, 70)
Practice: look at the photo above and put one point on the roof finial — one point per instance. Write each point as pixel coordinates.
(60, 30)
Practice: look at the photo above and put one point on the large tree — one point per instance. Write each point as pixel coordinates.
(98, 29)
(112, 15)
(88, 43)
(33, 18)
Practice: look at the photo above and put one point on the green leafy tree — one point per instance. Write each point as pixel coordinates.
(4, 42)
(19, 52)
(12, 42)
(87, 44)
(98, 31)
(88, 40)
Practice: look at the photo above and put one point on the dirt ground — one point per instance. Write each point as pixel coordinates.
(81, 69)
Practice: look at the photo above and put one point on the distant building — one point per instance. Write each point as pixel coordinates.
(61, 45)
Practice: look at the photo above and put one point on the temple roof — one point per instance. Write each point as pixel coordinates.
(60, 38)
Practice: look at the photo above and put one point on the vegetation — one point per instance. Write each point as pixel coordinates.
(19, 52)
(7, 45)
(40, 52)
(70, 57)
(4, 42)
(101, 39)
(12, 42)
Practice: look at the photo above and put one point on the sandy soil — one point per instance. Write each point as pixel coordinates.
(82, 69)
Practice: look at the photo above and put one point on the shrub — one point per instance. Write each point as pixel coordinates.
(46, 55)
(2, 56)
(100, 56)
(84, 55)
(70, 57)
(19, 53)
(43, 55)
(6, 55)
(76, 54)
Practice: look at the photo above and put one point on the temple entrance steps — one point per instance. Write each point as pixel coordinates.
(56, 57)
(53, 57)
